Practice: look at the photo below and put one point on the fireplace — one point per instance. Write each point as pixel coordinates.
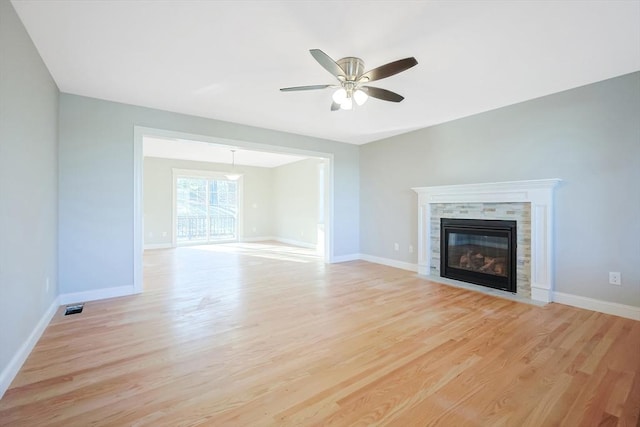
(479, 251)
(535, 263)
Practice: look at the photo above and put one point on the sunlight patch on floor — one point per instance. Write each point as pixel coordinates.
(275, 251)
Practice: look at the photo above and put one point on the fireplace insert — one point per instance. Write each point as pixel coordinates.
(478, 251)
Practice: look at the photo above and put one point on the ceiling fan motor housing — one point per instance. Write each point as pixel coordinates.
(353, 67)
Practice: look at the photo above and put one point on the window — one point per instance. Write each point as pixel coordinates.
(206, 209)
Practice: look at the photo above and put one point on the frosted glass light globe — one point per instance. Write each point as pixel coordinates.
(360, 97)
(339, 96)
(347, 104)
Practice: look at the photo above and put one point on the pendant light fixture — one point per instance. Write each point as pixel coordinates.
(233, 175)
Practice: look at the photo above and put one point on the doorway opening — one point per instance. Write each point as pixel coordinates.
(281, 194)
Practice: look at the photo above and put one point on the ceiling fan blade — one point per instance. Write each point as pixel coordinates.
(335, 106)
(312, 87)
(329, 64)
(385, 95)
(389, 69)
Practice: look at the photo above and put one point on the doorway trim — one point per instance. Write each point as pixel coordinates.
(139, 132)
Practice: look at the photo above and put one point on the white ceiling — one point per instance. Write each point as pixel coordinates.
(226, 60)
(209, 152)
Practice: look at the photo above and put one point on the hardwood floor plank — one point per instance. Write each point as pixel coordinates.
(265, 334)
(630, 413)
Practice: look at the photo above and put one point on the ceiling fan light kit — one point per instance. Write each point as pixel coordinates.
(352, 78)
(345, 98)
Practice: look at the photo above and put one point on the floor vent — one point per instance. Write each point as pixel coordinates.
(74, 309)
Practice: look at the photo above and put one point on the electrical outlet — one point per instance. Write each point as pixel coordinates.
(410, 249)
(615, 278)
(396, 246)
(151, 234)
(164, 234)
(47, 285)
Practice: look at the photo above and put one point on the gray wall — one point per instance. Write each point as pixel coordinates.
(296, 201)
(28, 185)
(96, 184)
(158, 201)
(589, 137)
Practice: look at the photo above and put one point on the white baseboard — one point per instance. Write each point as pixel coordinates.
(9, 373)
(97, 294)
(607, 307)
(376, 260)
(345, 258)
(254, 239)
(157, 246)
(295, 243)
(390, 262)
(541, 294)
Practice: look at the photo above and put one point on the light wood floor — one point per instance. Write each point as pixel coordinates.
(251, 335)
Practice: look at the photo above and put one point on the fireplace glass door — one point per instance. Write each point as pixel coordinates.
(473, 251)
(479, 251)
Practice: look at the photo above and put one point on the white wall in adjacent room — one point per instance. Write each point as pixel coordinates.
(257, 184)
(297, 201)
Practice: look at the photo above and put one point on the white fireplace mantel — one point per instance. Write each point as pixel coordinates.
(537, 192)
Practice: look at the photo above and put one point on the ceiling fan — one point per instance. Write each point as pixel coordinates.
(352, 80)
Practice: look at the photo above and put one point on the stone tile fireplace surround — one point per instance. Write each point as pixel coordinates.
(530, 203)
